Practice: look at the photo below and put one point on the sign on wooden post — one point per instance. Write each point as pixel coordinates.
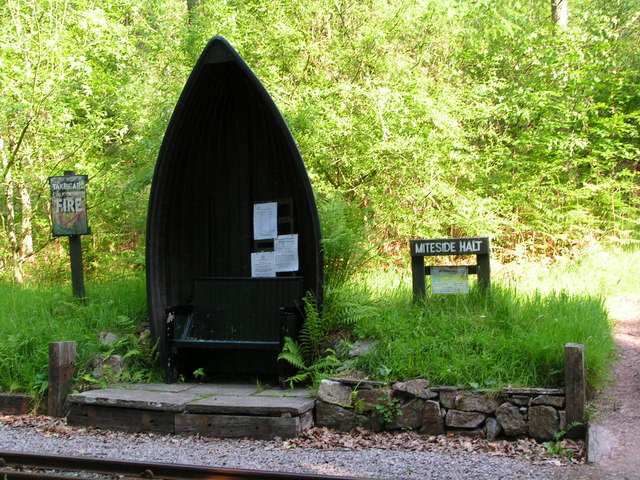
(69, 218)
(420, 248)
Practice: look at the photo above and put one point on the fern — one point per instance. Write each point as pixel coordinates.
(292, 353)
(313, 331)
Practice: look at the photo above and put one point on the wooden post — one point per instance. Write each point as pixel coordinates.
(484, 271)
(75, 254)
(419, 280)
(62, 368)
(77, 271)
(575, 389)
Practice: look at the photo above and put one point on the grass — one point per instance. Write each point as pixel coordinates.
(33, 316)
(504, 338)
(513, 336)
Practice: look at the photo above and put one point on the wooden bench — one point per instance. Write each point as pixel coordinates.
(235, 313)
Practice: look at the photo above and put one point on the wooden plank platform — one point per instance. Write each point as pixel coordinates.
(220, 410)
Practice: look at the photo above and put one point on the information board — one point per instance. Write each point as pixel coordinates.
(69, 205)
(449, 280)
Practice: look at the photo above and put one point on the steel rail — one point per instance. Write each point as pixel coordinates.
(132, 469)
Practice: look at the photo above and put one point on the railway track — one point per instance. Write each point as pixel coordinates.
(19, 466)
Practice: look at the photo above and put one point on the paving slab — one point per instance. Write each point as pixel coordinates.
(251, 405)
(158, 387)
(234, 389)
(132, 398)
(288, 392)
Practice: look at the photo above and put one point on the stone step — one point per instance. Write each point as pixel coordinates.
(221, 410)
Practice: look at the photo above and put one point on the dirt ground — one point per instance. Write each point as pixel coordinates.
(617, 409)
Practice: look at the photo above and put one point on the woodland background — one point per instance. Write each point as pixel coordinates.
(435, 118)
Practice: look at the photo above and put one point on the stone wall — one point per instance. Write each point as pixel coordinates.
(345, 404)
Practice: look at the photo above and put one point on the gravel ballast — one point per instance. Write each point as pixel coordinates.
(452, 458)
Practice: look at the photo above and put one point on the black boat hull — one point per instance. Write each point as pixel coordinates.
(226, 148)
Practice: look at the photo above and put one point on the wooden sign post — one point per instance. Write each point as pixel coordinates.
(69, 219)
(478, 246)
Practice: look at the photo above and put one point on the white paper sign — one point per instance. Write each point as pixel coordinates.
(263, 264)
(449, 280)
(286, 249)
(265, 221)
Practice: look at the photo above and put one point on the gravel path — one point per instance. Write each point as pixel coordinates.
(44, 436)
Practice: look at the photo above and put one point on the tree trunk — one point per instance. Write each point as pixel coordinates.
(560, 12)
(16, 261)
(26, 231)
(10, 224)
(191, 5)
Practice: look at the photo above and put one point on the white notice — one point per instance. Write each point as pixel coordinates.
(286, 248)
(265, 221)
(263, 264)
(449, 280)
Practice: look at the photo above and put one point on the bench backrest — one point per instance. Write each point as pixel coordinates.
(242, 309)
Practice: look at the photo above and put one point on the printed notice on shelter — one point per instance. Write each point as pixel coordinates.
(263, 264)
(265, 221)
(286, 250)
(449, 280)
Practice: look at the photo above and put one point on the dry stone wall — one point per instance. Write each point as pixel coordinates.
(345, 404)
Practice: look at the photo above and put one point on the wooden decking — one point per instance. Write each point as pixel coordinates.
(218, 410)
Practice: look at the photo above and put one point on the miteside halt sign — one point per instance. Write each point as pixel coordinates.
(420, 248)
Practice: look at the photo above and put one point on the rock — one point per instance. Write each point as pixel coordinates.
(361, 347)
(511, 420)
(473, 402)
(333, 416)
(520, 400)
(377, 422)
(108, 366)
(108, 338)
(562, 417)
(335, 392)
(427, 394)
(367, 400)
(532, 392)
(543, 422)
(432, 422)
(551, 400)
(415, 388)
(412, 387)
(411, 416)
(459, 419)
(448, 398)
(492, 429)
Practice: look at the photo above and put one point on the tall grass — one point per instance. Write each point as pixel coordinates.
(33, 316)
(512, 336)
(503, 338)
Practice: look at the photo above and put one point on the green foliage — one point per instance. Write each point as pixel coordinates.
(33, 317)
(344, 237)
(513, 336)
(389, 410)
(311, 372)
(499, 339)
(556, 447)
(313, 332)
(438, 118)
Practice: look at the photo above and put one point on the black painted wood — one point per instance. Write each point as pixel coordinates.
(226, 148)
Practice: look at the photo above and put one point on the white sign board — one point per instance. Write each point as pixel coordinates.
(265, 221)
(449, 280)
(286, 249)
(263, 264)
